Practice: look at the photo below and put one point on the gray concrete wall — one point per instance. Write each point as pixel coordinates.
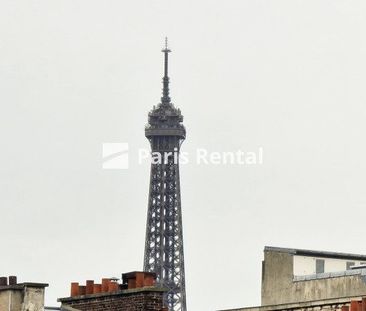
(33, 299)
(26, 299)
(277, 277)
(11, 300)
(279, 287)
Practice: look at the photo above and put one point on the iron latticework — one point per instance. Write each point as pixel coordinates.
(164, 234)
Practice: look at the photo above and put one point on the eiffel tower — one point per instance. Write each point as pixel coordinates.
(164, 232)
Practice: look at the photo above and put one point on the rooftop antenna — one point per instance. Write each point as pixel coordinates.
(166, 99)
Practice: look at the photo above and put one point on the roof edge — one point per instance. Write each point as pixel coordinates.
(314, 253)
(125, 292)
(21, 286)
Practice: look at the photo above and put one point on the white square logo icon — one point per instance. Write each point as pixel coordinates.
(115, 156)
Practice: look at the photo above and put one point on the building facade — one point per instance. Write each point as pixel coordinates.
(297, 279)
(16, 296)
(295, 275)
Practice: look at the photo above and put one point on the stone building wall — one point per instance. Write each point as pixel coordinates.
(280, 287)
(21, 296)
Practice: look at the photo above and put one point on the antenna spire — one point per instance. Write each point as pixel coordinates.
(166, 43)
(166, 99)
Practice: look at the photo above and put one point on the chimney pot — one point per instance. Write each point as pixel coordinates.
(131, 283)
(363, 304)
(89, 287)
(3, 281)
(354, 305)
(113, 287)
(139, 279)
(150, 280)
(105, 285)
(97, 288)
(139, 276)
(12, 280)
(82, 290)
(74, 289)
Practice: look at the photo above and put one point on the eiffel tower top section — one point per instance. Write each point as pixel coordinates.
(165, 119)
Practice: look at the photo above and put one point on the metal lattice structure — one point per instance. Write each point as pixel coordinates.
(164, 233)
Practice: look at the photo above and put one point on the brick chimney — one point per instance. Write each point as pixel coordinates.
(138, 279)
(137, 290)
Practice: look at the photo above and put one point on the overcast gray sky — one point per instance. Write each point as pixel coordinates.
(286, 75)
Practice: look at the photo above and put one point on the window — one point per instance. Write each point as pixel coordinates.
(320, 266)
(349, 265)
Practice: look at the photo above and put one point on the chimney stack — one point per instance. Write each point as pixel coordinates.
(110, 285)
(105, 285)
(113, 287)
(13, 280)
(74, 289)
(136, 291)
(89, 287)
(139, 279)
(82, 290)
(3, 281)
(97, 288)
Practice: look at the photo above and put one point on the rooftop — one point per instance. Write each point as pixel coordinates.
(314, 253)
(11, 283)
